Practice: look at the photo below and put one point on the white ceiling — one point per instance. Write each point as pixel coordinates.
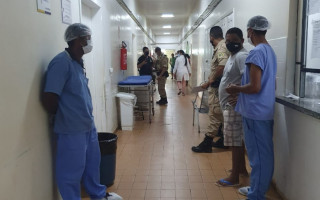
(153, 9)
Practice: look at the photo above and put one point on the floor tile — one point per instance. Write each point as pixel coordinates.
(155, 161)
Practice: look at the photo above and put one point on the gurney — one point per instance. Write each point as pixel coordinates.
(142, 87)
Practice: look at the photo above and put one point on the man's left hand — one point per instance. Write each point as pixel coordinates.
(233, 89)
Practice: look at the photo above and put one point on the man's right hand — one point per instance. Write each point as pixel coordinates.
(205, 85)
(233, 100)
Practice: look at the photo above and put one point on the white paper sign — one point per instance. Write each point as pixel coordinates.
(66, 11)
(314, 7)
(44, 6)
(315, 39)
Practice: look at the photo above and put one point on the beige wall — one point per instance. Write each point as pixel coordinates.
(295, 134)
(29, 41)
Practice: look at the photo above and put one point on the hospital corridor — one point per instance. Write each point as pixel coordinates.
(160, 100)
(155, 160)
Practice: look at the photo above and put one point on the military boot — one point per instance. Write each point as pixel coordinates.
(219, 144)
(163, 102)
(158, 102)
(205, 146)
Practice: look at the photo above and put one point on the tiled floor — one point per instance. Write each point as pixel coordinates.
(155, 161)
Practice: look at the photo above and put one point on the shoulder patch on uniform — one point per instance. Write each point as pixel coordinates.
(222, 55)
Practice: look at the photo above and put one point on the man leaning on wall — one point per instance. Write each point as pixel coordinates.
(67, 97)
(218, 62)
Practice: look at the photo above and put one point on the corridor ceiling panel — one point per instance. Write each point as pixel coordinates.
(153, 9)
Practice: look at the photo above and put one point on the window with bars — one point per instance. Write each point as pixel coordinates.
(310, 50)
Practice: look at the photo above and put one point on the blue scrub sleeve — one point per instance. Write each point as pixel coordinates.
(57, 76)
(256, 57)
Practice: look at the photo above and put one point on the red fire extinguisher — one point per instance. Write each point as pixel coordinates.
(123, 57)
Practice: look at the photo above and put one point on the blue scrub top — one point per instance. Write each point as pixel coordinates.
(260, 106)
(66, 78)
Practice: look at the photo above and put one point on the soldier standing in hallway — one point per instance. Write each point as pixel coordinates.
(220, 57)
(162, 75)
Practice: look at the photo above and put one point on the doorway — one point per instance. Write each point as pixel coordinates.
(94, 63)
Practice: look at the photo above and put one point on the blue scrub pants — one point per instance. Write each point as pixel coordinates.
(78, 160)
(258, 140)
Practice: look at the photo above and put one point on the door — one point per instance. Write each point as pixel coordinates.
(208, 53)
(94, 68)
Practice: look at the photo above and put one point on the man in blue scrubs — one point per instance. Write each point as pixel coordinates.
(256, 105)
(67, 96)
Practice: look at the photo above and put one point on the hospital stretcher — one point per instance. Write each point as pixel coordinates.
(142, 87)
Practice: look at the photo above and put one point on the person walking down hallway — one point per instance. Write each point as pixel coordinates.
(162, 75)
(172, 63)
(218, 62)
(67, 97)
(256, 105)
(145, 63)
(182, 72)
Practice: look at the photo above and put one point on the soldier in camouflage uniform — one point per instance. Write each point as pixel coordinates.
(219, 59)
(162, 75)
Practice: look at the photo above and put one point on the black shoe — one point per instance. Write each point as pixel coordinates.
(205, 146)
(163, 102)
(158, 102)
(220, 131)
(219, 144)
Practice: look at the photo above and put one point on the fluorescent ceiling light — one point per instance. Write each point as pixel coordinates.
(167, 15)
(166, 33)
(167, 26)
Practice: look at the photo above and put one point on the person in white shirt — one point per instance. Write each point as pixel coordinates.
(233, 130)
(181, 72)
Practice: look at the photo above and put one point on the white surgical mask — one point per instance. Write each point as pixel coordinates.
(250, 41)
(88, 48)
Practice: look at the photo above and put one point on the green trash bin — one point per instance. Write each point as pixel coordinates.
(108, 149)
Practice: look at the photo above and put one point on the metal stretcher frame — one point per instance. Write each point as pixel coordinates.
(148, 88)
(202, 108)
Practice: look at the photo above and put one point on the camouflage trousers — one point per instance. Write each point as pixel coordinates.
(162, 87)
(215, 112)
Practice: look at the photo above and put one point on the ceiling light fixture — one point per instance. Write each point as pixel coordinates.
(166, 33)
(167, 26)
(167, 15)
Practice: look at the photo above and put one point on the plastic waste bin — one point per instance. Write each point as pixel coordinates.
(108, 149)
(127, 102)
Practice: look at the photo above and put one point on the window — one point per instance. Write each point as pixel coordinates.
(310, 50)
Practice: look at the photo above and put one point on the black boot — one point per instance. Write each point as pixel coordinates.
(164, 101)
(158, 102)
(205, 146)
(219, 144)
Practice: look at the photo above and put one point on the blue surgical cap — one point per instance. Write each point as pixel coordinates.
(258, 23)
(75, 31)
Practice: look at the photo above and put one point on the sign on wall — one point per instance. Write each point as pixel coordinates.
(66, 11)
(44, 6)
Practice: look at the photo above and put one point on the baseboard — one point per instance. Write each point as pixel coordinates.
(274, 185)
